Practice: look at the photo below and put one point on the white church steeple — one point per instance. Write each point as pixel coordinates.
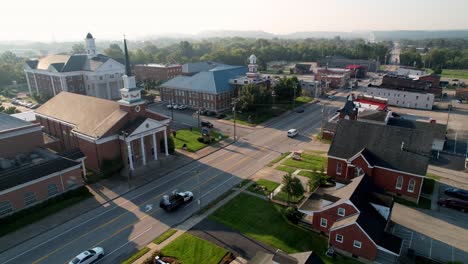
(253, 67)
(130, 93)
(90, 46)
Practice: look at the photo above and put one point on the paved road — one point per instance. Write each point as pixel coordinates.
(135, 219)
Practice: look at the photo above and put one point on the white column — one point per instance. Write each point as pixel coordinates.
(165, 141)
(129, 151)
(143, 154)
(155, 149)
(53, 85)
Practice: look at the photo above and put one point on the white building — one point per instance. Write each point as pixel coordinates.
(89, 74)
(403, 98)
(410, 72)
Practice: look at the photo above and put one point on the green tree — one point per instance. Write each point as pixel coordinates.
(78, 48)
(410, 58)
(11, 110)
(114, 51)
(292, 186)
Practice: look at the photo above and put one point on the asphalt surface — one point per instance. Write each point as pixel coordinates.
(134, 219)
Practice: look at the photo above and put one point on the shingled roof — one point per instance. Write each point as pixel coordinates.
(68, 63)
(392, 147)
(438, 130)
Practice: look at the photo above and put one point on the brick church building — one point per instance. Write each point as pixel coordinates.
(104, 129)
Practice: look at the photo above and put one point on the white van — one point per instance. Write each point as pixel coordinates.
(292, 132)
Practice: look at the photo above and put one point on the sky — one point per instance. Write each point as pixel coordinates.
(62, 20)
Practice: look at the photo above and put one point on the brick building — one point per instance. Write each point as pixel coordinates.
(29, 173)
(341, 62)
(89, 74)
(395, 158)
(419, 84)
(354, 214)
(208, 90)
(156, 72)
(333, 77)
(104, 129)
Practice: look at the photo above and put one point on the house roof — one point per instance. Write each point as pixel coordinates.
(73, 154)
(91, 116)
(8, 122)
(391, 147)
(213, 81)
(194, 67)
(68, 63)
(438, 130)
(373, 115)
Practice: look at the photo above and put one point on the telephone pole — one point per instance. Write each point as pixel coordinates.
(234, 111)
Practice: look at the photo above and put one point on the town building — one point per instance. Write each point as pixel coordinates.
(208, 90)
(88, 74)
(192, 68)
(461, 93)
(251, 77)
(29, 173)
(354, 215)
(403, 98)
(107, 130)
(333, 77)
(395, 158)
(419, 84)
(411, 72)
(341, 62)
(303, 68)
(156, 72)
(357, 71)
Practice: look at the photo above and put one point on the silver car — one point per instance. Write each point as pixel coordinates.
(88, 256)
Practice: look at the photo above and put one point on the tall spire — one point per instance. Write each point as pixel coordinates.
(128, 71)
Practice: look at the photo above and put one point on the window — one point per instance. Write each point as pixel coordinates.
(411, 185)
(52, 189)
(339, 238)
(341, 211)
(5, 208)
(339, 167)
(323, 222)
(72, 182)
(29, 198)
(417, 97)
(428, 98)
(399, 182)
(357, 244)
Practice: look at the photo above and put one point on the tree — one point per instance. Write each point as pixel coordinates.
(114, 51)
(292, 186)
(78, 48)
(410, 58)
(11, 110)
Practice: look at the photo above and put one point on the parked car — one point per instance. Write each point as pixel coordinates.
(206, 124)
(176, 199)
(182, 107)
(457, 193)
(220, 116)
(210, 113)
(174, 106)
(34, 106)
(169, 106)
(331, 97)
(292, 132)
(300, 110)
(454, 203)
(88, 256)
(158, 260)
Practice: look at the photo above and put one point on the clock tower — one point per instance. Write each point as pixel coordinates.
(131, 100)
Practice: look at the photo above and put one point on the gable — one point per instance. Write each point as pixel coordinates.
(147, 125)
(109, 65)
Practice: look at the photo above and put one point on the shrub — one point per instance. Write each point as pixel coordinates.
(293, 215)
(170, 145)
(150, 260)
(111, 167)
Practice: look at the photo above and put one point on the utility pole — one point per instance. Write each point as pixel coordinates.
(321, 123)
(234, 110)
(294, 96)
(199, 109)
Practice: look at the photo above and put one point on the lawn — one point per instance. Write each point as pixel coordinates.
(190, 249)
(264, 221)
(424, 203)
(282, 196)
(308, 162)
(285, 169)
(278, 159)
(455, 74)
(136, 256)
(164, 236)
(185, 136)
(269, 186)
(310, 174)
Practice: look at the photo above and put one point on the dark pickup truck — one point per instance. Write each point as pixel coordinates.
(171, 202)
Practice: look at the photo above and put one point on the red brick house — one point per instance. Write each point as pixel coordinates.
(29, 173)
(355, 217)
(395, 158)
(104, 129)
(156, 72)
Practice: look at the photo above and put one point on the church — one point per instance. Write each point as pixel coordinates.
(90, 74)
(104, 129)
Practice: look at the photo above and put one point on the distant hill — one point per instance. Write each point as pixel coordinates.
(420, 34)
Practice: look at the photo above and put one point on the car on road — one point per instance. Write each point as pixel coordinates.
(88, 256)
(454, 204)
(169, 106)
(457, 193)
(292, 132)
(206, 124)
(174, 106)
(182, 107)
(300, 110)
(331, 97)
(176, 199)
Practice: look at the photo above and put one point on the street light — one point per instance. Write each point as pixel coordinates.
(125, 135)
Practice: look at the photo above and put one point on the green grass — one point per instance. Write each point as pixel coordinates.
(424, 203)
(164, 236)
(265, 222)
(270, 186)
(428, 186)
(136, 256)
(278, 159)
(303, 99)
(433, 176)
(308, 162)
(455, 74)
(323, 140)
(185, 136)
(215, 201)
(285, 169)
(190, 249)
(310, 174)
(33, 214)
(282, 196)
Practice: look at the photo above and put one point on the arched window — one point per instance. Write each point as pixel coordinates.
(339, 168)
(411, 185)
(5, 208)
(52, 189)
(399, 182)
(29, 199)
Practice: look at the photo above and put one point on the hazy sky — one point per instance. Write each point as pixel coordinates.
(63, 20)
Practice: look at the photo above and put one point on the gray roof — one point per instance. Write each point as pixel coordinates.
(438, 130)
(373, 115)
(392, 147)
(68, 63)
(195, 67)
(213, 81)
(8, 122)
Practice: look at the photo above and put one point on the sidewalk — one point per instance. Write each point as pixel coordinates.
(458, 179)
(189, 223)
(105, 191)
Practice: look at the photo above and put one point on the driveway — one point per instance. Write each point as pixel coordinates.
(229, 239)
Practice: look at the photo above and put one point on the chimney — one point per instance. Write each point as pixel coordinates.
(402, 145)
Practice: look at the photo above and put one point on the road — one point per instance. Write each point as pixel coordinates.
(395, 53)
(134, 219)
